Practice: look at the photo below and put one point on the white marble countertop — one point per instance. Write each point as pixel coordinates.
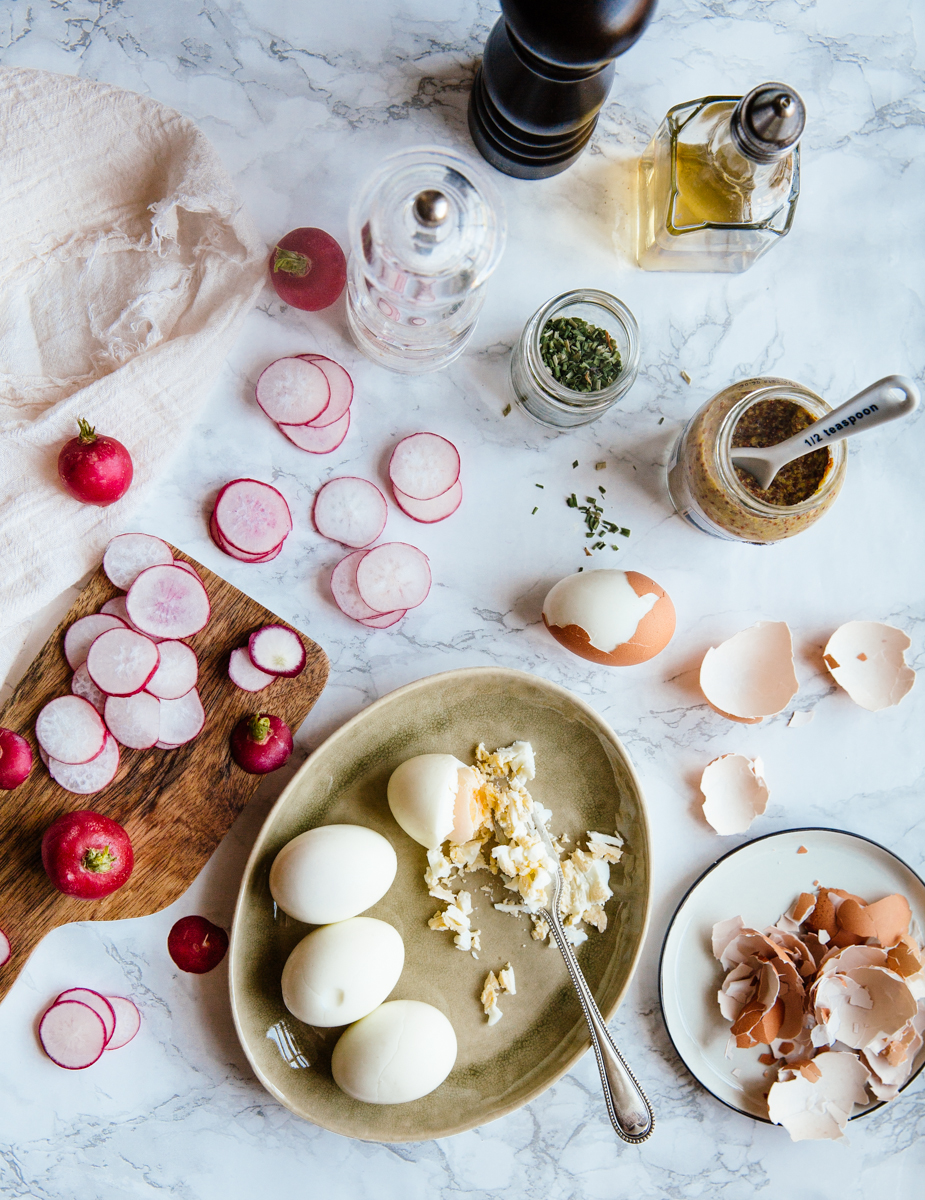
(300, 99)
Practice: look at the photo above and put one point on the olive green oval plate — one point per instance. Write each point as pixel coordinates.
(582, 773)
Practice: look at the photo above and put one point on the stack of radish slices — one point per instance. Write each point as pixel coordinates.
(271, 652)
(81, 1024)
(250, 521)
(309, 398)
(424, 474)
(377, 587)
(134, 681)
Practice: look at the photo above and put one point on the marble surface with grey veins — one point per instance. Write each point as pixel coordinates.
(301, 98)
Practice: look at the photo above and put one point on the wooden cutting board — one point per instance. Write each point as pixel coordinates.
(176, 805)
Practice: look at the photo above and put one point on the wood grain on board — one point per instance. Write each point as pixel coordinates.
(176, 805)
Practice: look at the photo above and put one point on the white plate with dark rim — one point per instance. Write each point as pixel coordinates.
(759, 881)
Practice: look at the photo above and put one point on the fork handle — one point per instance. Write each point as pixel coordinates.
(627, 1106)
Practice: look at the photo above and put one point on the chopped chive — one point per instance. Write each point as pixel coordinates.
(600, 545)
(601, 490)
(624, 532)
(572, 501)
(539, 485)
(574, 464)
(600, 466)
(614, 547)
(506, 411)
(581, 568)
(661, 420)
(534, 511)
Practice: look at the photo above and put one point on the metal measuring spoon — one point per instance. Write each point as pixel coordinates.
(889, 398)
(629, 1110)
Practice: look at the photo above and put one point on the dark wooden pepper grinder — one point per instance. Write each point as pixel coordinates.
(546, 71)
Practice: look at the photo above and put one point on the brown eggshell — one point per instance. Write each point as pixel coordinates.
(653, 633)
(890, 918)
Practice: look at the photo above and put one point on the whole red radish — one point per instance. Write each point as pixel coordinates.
(87, 855)
(196, 945)
(95, 469)
(260, 743)
(15, 759)
(308, 269)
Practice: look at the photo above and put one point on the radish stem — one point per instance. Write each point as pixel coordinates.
(259, 729)
(98, 860)
(292, 262)
(86, 431)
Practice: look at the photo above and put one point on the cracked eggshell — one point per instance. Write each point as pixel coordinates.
(400, 1052)
(867, 659)
(615, 618)
(734, 792)
(433, 798)
(821, 1109)
(332, 873)
(750, 676)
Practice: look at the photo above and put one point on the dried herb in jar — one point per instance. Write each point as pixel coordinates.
(582, 357)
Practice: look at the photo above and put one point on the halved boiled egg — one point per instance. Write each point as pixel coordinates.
(434, 797)
(616, 618)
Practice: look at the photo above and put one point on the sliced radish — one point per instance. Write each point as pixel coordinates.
(384, 620)
(87, 778)
(243, 673)
(5, 948)
(394, 575)
(134, 721)
(341, 390)
(276, 650)
(121, 661)
(350, 510)
(72, 1034)
(128, 1021)
(251, 516)
(424, 465)
(83, 633)
(167, 745)
(320, 440)
(429, 511)
(293, 390)
(83, 685)
(184, 566)
(233, 552)
(97, 1002)
(116, 608)
(176, 673)
(344, 588)
(70, 730)
(128, 554)
(168, 603)
(183, 719)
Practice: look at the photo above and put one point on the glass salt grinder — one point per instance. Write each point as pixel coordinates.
(719, 182)
(426, 232)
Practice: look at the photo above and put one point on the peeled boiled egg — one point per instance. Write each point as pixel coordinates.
(434, 797)
(341, 972)
(332, 873)
(400, 1052)
(617, 618)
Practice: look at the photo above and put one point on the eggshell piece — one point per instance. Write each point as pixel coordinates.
(422, 796)
(400, 1052)
(332, 873)
(615, 618)
(341, 972)
(734, 792)
(867, 659)
(751, 676)
(821, 1109)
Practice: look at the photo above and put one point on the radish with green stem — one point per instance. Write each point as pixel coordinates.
(308, 269)
(95, 469)
(260, 743)
(87, 855)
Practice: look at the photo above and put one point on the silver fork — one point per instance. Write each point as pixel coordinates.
(629, 1110)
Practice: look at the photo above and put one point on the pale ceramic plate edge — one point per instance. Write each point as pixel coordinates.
(682, 904)
(344, 731)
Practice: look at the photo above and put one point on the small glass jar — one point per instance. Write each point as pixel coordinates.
(703, 483)
(540, 394)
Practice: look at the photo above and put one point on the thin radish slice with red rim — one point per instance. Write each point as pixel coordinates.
(116, 608)
(70, 730)
(293, 390)
(243, 673)
(184, 566)
(176, 673)
(276, 650)
(82, 685)
(384, 620)
(321, 440)
(251, 516)
(341, 391)
(128, 1021)
(424, 466)
(350, 510)
(166, 602)
(393, 575)
(344, 588)
(72, 1034)
(5, 948)
(128, 554)
(87, 778)
(233, 552)
(429, 511)
(134, 721)
(97, 1002)
(183, 719)
(84, 632)
(121, 661)
(167, 745)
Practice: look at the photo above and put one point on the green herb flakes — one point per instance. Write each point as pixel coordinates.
(539, 485)
(582, 357)
(574, 464)
(506, 411)
(600, 466)
(535, 511)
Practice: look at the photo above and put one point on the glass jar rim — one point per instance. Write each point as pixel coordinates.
(722, 463)
(555, 391)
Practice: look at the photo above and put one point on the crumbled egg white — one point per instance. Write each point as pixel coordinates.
(494, 986)
(456, 918)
